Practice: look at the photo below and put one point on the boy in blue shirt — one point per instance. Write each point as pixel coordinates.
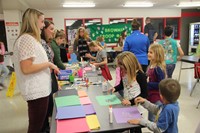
(167, 113)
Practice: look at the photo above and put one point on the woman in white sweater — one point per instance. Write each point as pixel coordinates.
(33, 69)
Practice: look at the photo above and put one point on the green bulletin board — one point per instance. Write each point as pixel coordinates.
(111, 32)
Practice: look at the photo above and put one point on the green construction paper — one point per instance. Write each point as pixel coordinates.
(108, 100)
(67, 101)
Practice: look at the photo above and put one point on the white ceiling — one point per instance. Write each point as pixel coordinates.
(100, 4)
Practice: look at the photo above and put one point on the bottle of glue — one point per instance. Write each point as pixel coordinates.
(110, 114)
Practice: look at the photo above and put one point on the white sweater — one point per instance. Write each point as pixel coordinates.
(35, 85)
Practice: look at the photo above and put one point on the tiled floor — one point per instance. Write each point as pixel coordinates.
(13, 111)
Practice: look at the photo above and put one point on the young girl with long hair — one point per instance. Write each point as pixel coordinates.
(128, 83)
(156, 72)
(100, 59)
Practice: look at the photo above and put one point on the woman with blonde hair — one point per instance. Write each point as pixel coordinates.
(81, 44)
(33, 68)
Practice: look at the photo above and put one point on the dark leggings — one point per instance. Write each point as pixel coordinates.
(37, 110)
(49, 114)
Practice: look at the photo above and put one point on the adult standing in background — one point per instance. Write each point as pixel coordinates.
(138, 44)
(81, 44)
(150, 31)
(47, 36)
(55, 45)
(172, 48)
(33, 68)
(3, 69)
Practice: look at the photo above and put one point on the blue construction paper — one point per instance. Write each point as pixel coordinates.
(70, 112)
(89, 109)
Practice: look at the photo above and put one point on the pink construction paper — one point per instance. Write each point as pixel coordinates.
(85, 100)
(88, 69)
(72, 126)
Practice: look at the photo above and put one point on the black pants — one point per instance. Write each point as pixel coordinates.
(54, 84)
(46, 125)
(37, 110)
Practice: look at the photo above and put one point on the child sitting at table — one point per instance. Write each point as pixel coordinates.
(166, 113)
(100, 59)
(72, 57)
(127, 63)
(140, 77)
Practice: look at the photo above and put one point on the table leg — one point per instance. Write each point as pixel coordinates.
(194, 87)
(180, 72)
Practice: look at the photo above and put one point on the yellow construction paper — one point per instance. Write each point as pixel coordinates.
(92, 122)
(82, 93)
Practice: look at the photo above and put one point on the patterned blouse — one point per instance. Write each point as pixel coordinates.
(49, 51)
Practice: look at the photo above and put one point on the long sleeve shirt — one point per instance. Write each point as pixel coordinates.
(167, 117)
(2, 52)
(138, 44)
(57, 59)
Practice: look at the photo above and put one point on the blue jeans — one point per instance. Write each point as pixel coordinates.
(170, 69)
(151, 116)
(3, 73)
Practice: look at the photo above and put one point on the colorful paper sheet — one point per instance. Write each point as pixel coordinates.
(108, 100)
(82, 93)
(67, 101)
(89, 109)
(72, 126)
(85, 100)
(70, 112)
(67, 92)
(88, 69)
(92, 122)
(122, 115)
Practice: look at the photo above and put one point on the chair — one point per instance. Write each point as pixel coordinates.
(196, 75)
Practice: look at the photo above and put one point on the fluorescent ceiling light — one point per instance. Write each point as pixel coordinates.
(188, 4)
(79, 4)
(138, 4)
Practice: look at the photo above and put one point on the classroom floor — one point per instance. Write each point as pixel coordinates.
(13, 111)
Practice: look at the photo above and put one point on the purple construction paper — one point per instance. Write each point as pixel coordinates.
(70, 112)
(89, 109)
(122, 115)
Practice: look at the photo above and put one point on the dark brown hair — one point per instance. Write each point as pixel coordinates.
(170, 89)
(135, 25)
(47, 23)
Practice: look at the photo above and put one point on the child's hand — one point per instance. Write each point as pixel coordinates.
(95, 64)
(134, 121)
(126, 102)
(139, 100)
(111, 90)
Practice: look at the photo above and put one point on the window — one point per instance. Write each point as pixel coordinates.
(158, 24)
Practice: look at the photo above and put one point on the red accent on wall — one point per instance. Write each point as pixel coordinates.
(190, 14)
(51, 19)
